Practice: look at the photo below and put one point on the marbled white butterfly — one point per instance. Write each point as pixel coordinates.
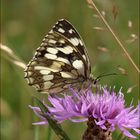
(61, 60)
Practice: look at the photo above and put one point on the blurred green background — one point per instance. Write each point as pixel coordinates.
(24, 25)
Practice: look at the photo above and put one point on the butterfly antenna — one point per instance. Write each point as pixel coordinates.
(103, 75)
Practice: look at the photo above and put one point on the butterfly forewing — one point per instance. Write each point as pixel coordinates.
(64, 28)
(61, 60)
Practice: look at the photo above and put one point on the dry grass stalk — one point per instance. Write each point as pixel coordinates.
(12, 57)
(92, 4)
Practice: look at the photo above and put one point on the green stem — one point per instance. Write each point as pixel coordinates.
(36, 133)
(49, 133)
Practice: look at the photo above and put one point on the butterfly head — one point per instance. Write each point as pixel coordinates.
(94, 80)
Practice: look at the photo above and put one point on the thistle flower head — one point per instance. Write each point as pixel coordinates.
(105, 107)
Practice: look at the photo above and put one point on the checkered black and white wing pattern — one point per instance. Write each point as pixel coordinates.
(61, 60)
(64, 28)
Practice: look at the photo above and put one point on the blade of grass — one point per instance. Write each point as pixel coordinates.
(54, 125)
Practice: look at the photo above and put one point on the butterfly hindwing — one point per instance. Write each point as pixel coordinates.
(59, 61)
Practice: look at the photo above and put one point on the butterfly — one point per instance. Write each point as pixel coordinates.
(60, 61)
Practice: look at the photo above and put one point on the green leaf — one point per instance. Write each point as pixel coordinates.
(125, 138)
(53, 123)
(120, 136)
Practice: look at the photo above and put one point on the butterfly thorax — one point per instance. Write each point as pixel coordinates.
(85, 83)
(89, 81)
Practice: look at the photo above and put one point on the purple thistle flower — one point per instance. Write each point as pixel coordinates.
(105, 107)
